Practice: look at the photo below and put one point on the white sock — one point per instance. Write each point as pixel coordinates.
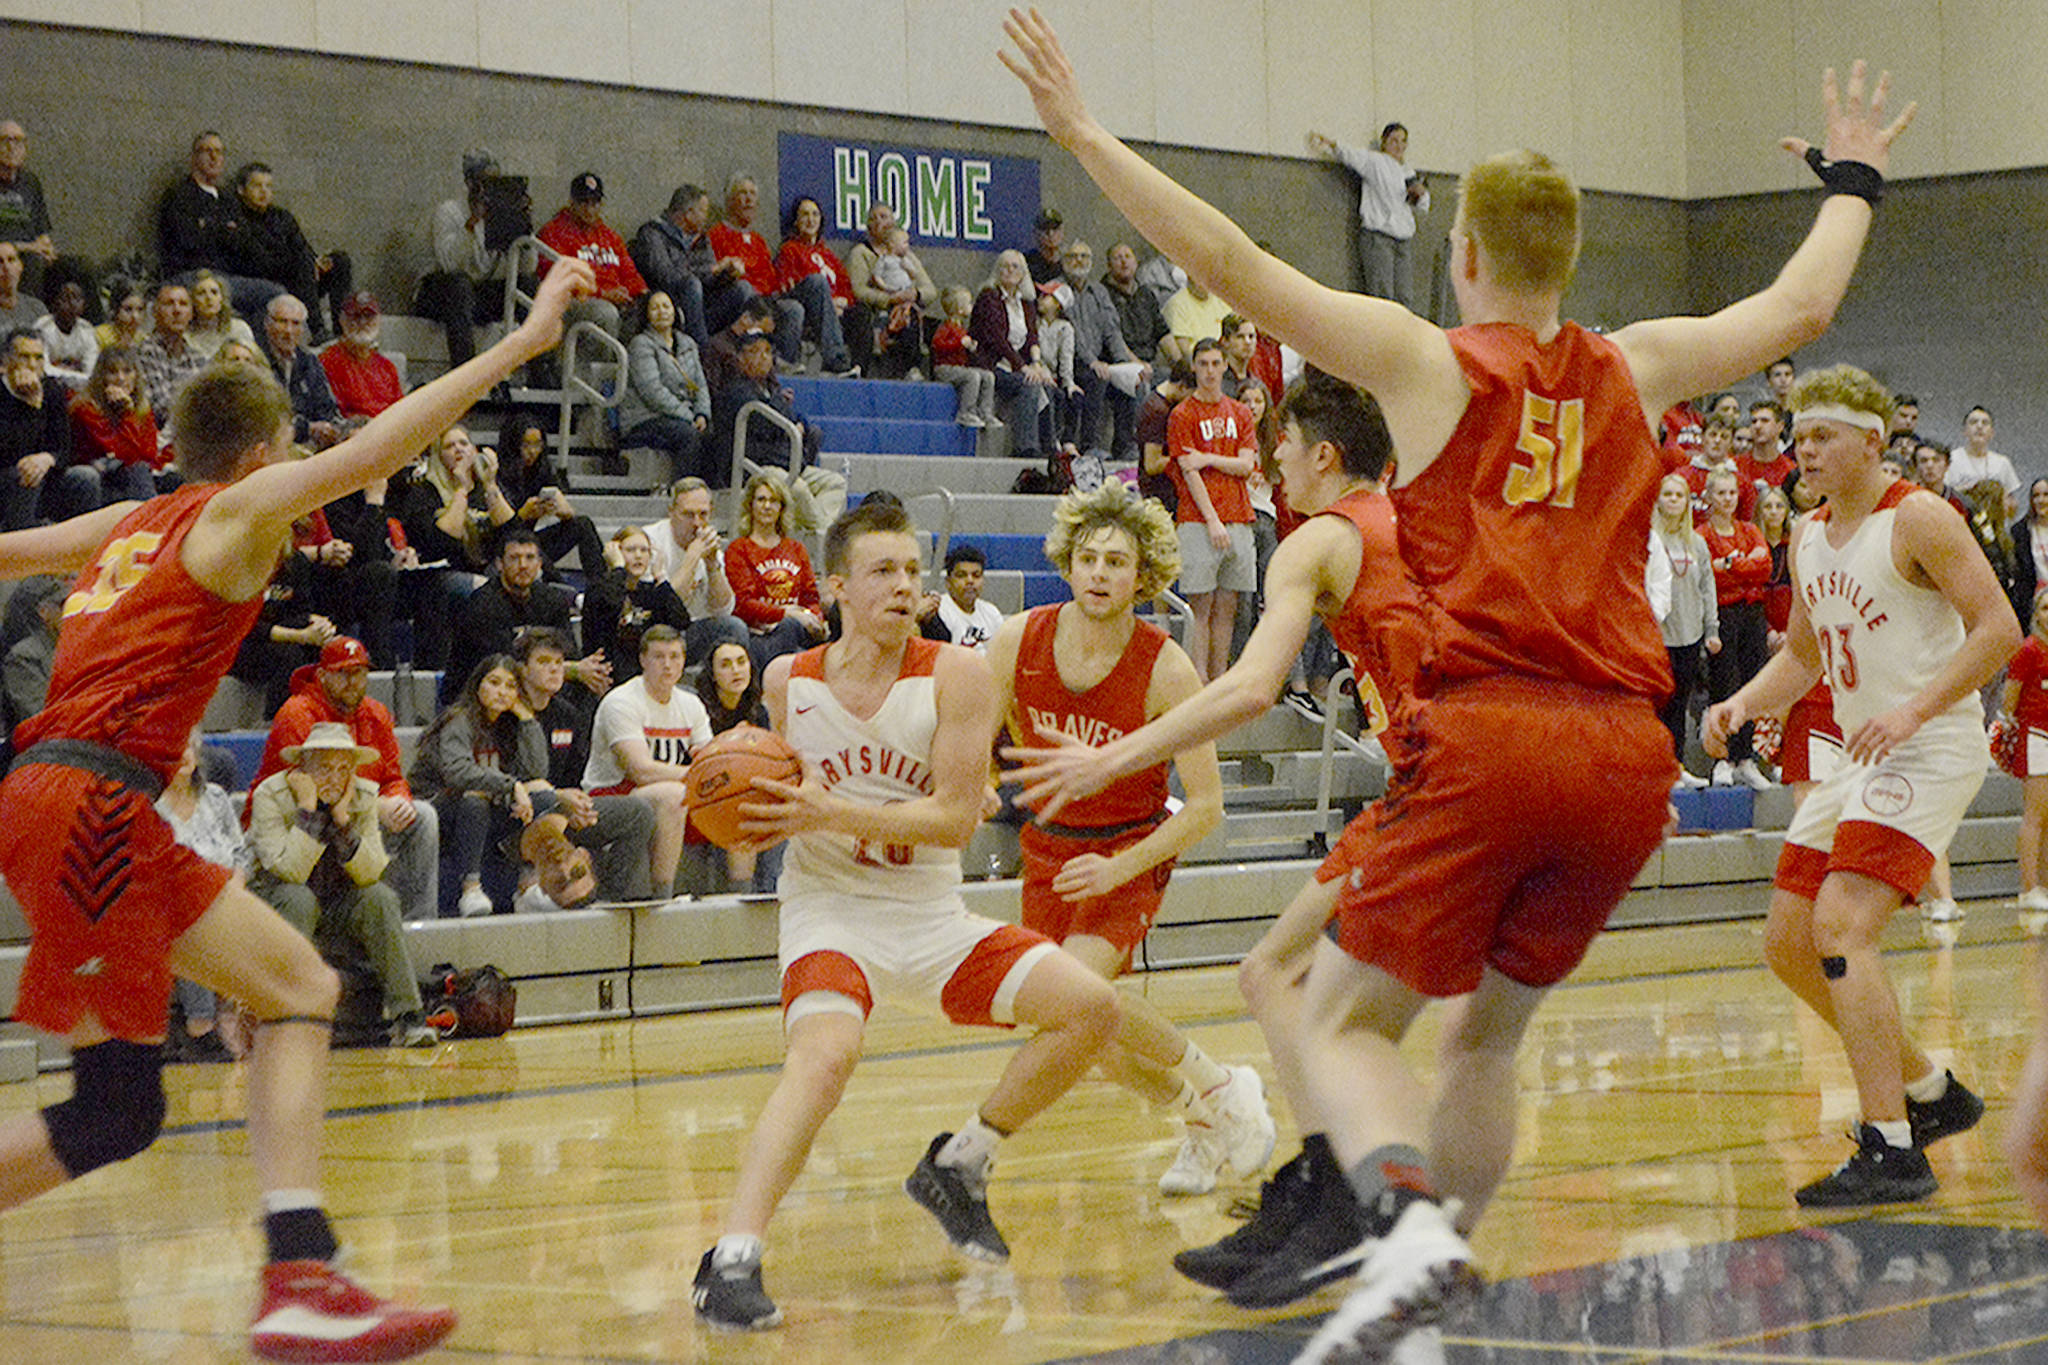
(1896, 1132)
(1187, 1102)
(736, 1248)
(1928, 1088)
(1196, 1068)
(972, 1149)
(285, 1201)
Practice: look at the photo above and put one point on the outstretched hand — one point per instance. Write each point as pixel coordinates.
(1856, 131)
(1059, 770)
(1043, 67)
(566, 280)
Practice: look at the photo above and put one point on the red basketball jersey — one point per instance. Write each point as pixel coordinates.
(1529, 533)
(1383, 626)
(1109, 710)
(142, 646)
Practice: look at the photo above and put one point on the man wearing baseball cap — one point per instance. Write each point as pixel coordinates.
(313, 829)
(1044, 260)
(580, 230)
(336, 691)
(364, 380)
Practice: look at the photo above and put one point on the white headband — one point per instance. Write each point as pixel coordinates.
(1835, 412)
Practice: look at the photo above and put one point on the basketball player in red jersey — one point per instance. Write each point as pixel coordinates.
(116, 906)
(1525, 485)
(1090, 670)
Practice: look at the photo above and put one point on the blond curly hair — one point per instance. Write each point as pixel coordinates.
(1079, 516)
(1843, 386)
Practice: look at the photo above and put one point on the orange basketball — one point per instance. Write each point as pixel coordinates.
(722, 777)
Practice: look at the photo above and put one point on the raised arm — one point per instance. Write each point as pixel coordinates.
(63, 548)
(1674, 358)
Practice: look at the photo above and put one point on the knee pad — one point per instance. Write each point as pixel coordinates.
(1834, 968)
(116, 1107)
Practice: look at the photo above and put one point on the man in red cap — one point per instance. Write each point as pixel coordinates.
(337, 689)
(364, 380)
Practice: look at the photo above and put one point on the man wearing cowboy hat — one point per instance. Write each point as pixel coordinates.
(319, 857)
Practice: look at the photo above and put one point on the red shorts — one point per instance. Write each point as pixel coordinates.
(1805, 720)
(1530, 809)
(106, 890)
(1122, 918)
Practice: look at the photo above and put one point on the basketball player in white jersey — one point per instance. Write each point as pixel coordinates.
(894, 731)
(1895, 604)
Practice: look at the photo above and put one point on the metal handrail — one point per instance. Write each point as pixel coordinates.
(522, 261)
(942, 533)
(1179, 610)
(744, 468)
(1369, 749)
(576, 388)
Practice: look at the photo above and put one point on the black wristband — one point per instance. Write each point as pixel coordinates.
(1859, 178)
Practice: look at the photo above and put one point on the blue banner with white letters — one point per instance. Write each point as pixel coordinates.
(942, 197)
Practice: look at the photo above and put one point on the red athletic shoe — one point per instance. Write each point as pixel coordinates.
(312, 1312)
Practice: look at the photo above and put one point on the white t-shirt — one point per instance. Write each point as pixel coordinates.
(673, 730)
(1965, 469)
(667, 555)
(971, 630)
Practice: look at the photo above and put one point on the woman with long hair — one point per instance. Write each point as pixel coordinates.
(113, 432)
(805, 254)
(773, 588)
(532, 485)
(2030, 550)
(464, 506)
(127, 316)
(730, 688)
(1742, 573)
(2026, 701)
(213, 317)
(629, 597)
(1774, 519)
(667, 403)
(1004, 326)
(483, 762)
(1693, 620)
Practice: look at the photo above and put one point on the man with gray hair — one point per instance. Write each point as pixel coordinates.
(804, 307)
(24, 217)
(466, 287)
(675, 255)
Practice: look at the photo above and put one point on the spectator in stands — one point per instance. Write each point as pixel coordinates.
(466, 287)
(730, 688)
(804, 256)
(1986, 501)
(214, 323)
(482, 761)
(1212, 450)
(320, 863)
(270, 246)
(953, 362)
(875, 302)
(1258, 401)
(1389, 196)
(199, 228)
(24, 216)
(18, 307)
(1154, 479)
(1195, 314)
(1056, 353)
(1048, 231)
(514, 597)
(768, 442)
(2030, 549)
(618, 830)
(1905, 416)
(1774, 520)
(1779, 375)
(628, 598)
(362, 378)
(722, 362)
(641, 743)
(315, 414)
(1005, 330)
(113, 433)
(2024, 698)
(130, 309)
(1974, 461)
(675, 255)
(1165, 279)
(456, 508)
(1930, 471)
(1108, 370)
(689, 557)
(70, 345)
(25, 672)
(287, 636)
(1139, 319)
(202, 817)
(336, 690)
(166, 356)
(1692, 620)
(1240, 338)
(532, 486)
(774, 591)
(1742, 575)
(804, 306)
(1716, 454)
(667, 403)
(579, 230)
(892, 276)
(35, 438)
(970, 622)
(1769, 461)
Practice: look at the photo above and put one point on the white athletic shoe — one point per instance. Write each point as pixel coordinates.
(1425, 1347)
(2035, 900)
(1195, 1165)
(1689, 782)
(1724, 774)
(1416, 1276)
(474, 903)
(1943, 911)
(1242, 1122)
(1747, 773)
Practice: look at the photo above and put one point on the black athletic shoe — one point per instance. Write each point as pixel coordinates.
(959, 1203)
(1878, 1173)
(731, 1298)
(1957, 1111)
(1283, 1202)
(1327, 1243)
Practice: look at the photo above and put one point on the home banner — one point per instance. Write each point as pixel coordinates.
(941, 197)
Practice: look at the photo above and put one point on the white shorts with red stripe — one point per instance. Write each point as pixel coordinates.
(1891, 820)
(840, 953)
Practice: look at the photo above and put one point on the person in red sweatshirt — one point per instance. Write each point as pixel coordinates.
(1742, 578)
(580, 230)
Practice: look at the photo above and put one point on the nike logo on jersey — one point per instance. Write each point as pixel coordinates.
(806, 710)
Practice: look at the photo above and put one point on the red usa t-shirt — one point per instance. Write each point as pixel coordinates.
(2029, 672)
(1220, 428)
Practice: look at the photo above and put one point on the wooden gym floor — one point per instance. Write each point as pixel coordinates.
(559, 1185)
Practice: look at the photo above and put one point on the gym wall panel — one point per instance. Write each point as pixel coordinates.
(1742, 93)
(232, 21)
(952, 69)
(444, 32)
(1424, 75)
(117, 14)
(842, 56)
(1208, 70)
(1994, 110)
(1628, 82)
(587, 41)
(1909, 38)
(1522, 59)
(704, 46)
(1319, 62)
(1111, 49)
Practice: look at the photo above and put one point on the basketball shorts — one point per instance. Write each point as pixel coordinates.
(1205, 569)
(106, 890)
(839, 954)
(1528, 810)
(2034, 753)
(1123, 917)
(1812, 747)
(1888, 821)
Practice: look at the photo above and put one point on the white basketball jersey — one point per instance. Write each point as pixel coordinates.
(878, 761)
(1882, 639)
